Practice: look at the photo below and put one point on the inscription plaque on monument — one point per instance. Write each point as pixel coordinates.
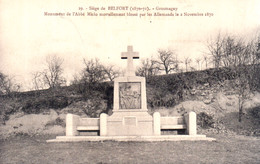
(129, 95)
(130, 121)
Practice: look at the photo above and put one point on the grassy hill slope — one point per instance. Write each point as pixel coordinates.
(209, 93)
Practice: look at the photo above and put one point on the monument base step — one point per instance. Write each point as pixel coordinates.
(132, 138)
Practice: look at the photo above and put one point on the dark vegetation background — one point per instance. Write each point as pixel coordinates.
(162, 91)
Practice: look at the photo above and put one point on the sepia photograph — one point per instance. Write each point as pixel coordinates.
(117, 81)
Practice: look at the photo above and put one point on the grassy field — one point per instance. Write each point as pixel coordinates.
(235, 149)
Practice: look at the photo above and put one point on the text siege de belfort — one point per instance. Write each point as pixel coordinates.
(134, 11)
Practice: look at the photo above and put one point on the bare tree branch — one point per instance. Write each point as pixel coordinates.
(7, 84)
(52, 75)
(167, 61)
(241, 57)
(148, 68)
(110, 72)
(187, 61)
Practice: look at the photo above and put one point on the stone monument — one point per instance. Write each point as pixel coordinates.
(130, 120)
(130, 116)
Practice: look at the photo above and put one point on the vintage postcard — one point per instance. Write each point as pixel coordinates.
(129, 81)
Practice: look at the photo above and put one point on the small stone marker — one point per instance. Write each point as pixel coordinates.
(130, 55)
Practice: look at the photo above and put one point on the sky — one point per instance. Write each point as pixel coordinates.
(27, 36)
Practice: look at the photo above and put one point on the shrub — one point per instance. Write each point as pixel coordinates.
(94, 107)
(256, 112)
(204, 120)
(6, 109)
(57, 121)
(37, 105)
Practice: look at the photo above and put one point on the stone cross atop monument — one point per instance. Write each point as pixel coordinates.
(130, 55)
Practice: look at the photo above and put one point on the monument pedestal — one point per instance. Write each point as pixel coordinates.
(130, 123)
(130, 116)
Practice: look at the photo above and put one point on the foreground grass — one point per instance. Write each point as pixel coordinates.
(236, 149)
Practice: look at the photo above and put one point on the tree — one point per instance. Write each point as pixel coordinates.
(88, 81)
(246, 66)
(92, 74)
(52, 75)
(2, 83)
(147, 68)
(241, 57)
(110, 72)
(37, 80)
(4, 86)
(198, 62)
(7, 84)
(167, 61)
(214, 47)
(93, 71)
(206, 61)
(187, 62)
